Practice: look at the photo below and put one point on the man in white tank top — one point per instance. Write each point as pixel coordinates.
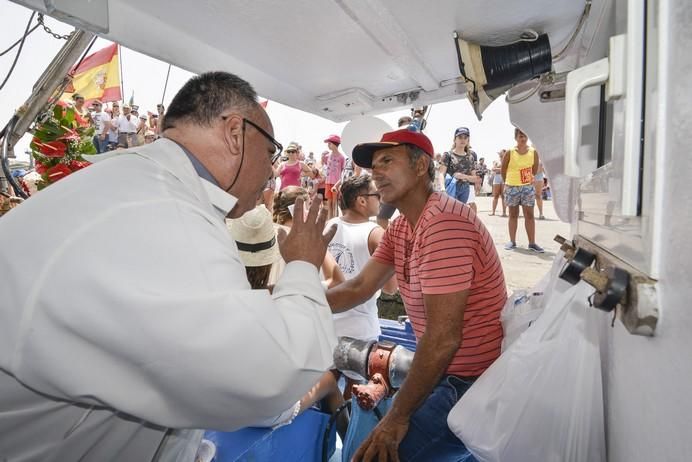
(356, 239)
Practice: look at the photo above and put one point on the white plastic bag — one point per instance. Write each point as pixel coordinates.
(522, 308)
(486, 187)
(520, 311)
(542, 399)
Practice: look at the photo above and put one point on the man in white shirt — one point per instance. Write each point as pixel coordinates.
(127, 128)
(130, 321)
(355, 240)
(113, 131)
(102, 123)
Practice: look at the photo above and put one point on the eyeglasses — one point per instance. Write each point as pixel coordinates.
(277, 145)
(274, 157)
(291, 151)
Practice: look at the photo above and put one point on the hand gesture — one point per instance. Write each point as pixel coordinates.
(306, 241)
(383, 443)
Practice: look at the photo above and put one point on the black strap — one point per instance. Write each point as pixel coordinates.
(256, 247)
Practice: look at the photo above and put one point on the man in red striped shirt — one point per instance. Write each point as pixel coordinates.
(451, 281)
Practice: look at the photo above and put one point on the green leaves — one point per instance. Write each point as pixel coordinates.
(57, 112)
(86, 146)
(61, 138)
(69, 118)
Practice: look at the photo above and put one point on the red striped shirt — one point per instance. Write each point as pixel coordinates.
(450, 250)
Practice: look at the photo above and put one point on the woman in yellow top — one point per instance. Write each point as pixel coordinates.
(519, 166)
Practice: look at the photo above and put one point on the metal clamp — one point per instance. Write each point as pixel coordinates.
(618, 286)
(578, 260)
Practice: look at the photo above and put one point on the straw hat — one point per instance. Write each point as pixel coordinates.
(255, 237)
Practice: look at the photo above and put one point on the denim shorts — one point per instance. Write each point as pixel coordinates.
(429, 437)
(520, 195)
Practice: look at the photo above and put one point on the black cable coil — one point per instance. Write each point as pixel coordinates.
(518, 62)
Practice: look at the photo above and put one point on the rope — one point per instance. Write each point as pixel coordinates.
(18, 41)
(165, 85)
(26, 34)
(19, 51)
(580, 24)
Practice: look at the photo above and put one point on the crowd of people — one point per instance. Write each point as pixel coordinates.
(186, 267)
(119, 126)
(459, 172)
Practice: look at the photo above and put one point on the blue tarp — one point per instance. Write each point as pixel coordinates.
(300, 441)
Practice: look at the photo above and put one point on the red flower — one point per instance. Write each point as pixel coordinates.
(58, 172)
(52, 148)
(40, 168)
(78, 164)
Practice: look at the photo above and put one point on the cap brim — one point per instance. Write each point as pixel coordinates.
(362, 153)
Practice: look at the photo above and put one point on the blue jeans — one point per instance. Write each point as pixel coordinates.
(100, 145)
(429, 438)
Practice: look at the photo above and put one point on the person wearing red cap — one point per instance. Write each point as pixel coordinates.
(453, 287)
(335, 166)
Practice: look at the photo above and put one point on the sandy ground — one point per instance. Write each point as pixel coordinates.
(522, 267)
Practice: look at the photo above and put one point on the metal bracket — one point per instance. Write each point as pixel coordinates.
(618, 285)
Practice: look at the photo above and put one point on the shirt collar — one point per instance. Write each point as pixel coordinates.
(220, 199)
(199, 167)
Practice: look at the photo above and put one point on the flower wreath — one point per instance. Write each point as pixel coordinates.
(62, 138)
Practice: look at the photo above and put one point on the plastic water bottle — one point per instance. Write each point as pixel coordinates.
(415, 125)
(522, 299)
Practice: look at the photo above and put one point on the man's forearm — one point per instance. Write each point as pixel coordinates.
(345, 296)
(429, 364)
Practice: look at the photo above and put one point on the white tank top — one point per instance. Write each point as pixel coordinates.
(349, 247)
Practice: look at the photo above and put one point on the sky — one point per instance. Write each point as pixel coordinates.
(146, 77)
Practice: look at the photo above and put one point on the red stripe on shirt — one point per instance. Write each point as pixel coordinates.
(449, 251)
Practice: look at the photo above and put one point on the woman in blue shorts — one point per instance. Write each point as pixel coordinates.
(519, 165)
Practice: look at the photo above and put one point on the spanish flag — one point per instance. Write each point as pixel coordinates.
(97, 77)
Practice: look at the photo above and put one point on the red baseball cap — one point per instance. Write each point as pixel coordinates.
(336, 139)
(362, 153)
